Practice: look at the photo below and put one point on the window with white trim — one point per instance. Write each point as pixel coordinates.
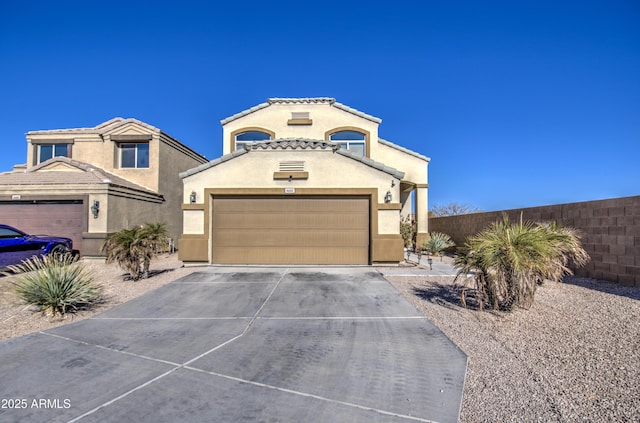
(351, 140)
(250, 137)
(134, 155)
(48, 151)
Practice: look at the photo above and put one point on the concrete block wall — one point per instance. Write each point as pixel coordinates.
(610, 232)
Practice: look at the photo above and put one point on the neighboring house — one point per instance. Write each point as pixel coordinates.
(85, 183)
(302, 181)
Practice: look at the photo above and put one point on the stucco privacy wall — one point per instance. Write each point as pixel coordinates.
(610, 228)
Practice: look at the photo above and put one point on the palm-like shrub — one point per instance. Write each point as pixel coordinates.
(437, 243)
(133, 249)
(509, 260)
(155, 237)
(55, 283)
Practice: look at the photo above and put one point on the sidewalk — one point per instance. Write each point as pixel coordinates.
(420, 267)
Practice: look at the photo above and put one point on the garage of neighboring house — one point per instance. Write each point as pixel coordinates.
(51, 217)
(68, 198)
(291, 229)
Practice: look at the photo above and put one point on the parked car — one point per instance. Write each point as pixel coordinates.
(16, 246)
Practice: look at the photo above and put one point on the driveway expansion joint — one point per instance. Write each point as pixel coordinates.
(309, 395)
(314, 344)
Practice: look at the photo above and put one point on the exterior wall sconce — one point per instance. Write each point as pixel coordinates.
(192, 197)
(95, 208)
(387, 197)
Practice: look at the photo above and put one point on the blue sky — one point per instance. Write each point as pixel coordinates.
(518, 103)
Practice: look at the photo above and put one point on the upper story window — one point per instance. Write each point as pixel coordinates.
(134, 155)
(48, 151)
(351, 140)
(249, 137)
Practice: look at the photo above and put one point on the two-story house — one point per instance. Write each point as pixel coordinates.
(85, 183)
(302, 181)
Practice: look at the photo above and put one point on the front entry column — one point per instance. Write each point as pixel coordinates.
(422, 214)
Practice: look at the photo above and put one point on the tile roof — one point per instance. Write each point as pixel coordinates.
(304, 100)
(357, 112)
(301, 100)
(372, 163)
(295, 144)
(292, 144)
(112, 124)
(102, 128)
(404, 150)
(86, 175)
(212, 163)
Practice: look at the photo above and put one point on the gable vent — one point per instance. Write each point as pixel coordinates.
(292, 166)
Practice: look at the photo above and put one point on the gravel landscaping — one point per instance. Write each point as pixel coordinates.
(18, 319)
(573, 356)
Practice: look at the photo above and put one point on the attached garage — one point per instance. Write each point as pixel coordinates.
(291, 230)
(291, 202)
(50, 217)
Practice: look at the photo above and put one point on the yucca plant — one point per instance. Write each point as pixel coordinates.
(133, 249)
(437, 243)
(56, 283)
(509, 260)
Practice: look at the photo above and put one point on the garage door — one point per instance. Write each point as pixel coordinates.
(58, 218)
(290, 230)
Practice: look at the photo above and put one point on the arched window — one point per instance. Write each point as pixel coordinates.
(250, 136)
(351, 140)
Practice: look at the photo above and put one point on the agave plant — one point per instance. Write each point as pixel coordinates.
(437, 243)
(133, 249)
(56, 283)
(509, 260)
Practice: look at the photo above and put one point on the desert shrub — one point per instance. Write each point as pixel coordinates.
(56, 283)
(437, 243)
(133, 249)
(509, 260)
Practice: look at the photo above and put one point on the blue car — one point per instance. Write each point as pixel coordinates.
(16, 246)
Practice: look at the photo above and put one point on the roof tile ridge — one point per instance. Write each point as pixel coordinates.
(243, 113)
(403, 149)
(372, 163)
(92, 129)
(273, 100)
(357, 112)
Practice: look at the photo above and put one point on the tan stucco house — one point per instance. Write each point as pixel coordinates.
(302, 181)
(85, 183)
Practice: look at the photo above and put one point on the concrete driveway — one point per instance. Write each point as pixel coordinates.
(241, 344)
